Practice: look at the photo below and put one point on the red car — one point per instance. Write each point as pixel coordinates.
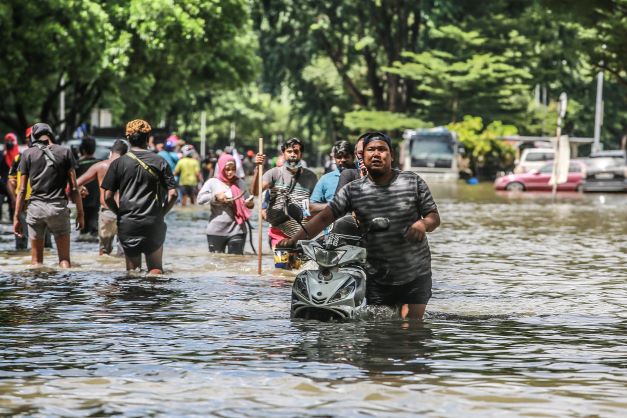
(538, 180)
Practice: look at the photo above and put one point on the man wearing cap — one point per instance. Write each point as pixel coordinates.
(49, 168)
(291, 183)
(399, 256)
(147, 191)
(15, 179)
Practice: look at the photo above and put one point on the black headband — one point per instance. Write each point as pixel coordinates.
(377, 136)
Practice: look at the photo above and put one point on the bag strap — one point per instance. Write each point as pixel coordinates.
(150, 170)
(294, 181)
(143, 164)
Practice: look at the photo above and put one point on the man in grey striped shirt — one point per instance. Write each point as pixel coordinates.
(400, 255)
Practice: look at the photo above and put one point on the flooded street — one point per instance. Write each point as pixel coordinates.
(528, 318)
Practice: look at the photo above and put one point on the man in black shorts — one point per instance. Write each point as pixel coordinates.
(147, 191)
(400, 256)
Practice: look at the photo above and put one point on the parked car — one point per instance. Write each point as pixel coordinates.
(533, 158)
(538, 179)
(607, 172)
(103, 146)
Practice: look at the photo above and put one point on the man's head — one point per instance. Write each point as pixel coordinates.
(88, 146)
(378, 153)
(138, 132)
(343, 154)
(292, 151)
(188, 150)
(41, 132)
(118, 149)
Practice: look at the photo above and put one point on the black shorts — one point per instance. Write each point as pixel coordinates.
(414, 292)
(147, 241)
(189, 191)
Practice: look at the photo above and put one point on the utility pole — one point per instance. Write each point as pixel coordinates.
(562, 150)
(62, 108)
(598, 114)
(203, 133)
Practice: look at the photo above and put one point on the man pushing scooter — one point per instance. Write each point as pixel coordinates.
(400, 254)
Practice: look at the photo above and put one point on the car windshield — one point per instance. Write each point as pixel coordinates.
(605, 163)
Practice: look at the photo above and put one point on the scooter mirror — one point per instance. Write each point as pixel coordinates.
(380, 224)
(295, 212)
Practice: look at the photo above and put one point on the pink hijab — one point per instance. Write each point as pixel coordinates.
(242, 213)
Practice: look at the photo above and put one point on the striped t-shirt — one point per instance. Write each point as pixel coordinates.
(403, 201)
(279, 179)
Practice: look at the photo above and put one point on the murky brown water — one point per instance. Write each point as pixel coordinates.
(528, 318)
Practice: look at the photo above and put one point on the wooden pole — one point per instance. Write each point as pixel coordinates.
(260, 219)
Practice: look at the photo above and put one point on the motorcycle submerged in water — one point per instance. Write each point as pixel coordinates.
(334, 287)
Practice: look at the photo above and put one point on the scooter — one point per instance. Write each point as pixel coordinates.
(336, 289)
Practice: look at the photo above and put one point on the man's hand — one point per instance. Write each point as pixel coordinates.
(260, 159)
(286, 243)
(416, 232)
(221, 198)
(17, 227)
(80, 221)
(84, 192)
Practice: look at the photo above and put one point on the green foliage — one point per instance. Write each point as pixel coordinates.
(487, 152)
(151, 59)
(364, 120)
(471, 79)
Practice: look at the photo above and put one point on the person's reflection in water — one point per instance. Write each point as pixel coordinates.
(380, 348)
(146, 300)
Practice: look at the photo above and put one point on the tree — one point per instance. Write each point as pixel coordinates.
(471, 79)
(152, 59)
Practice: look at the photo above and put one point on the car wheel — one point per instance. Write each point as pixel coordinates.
(515, 187)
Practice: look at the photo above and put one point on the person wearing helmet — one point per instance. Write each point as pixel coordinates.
(50, 168)
(188, 170)
(168, 154)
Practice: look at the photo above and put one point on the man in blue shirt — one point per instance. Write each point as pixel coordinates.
(325, 188)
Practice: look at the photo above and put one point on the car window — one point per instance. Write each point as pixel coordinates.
(547, 168)
(574, 168)
(539, 156)
(605, 163)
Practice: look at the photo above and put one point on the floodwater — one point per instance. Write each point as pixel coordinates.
(528, 318)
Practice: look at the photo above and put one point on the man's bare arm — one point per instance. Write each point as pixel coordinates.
(172, 195)
(109, 198)
(78, 200)
(314, 227)
(420, 228)
(315, 207)
(19, 207)
(88, 176)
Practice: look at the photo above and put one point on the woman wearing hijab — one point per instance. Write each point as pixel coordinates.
(10, 152)
(230, 208)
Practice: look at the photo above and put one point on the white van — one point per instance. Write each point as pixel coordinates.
(533, 158)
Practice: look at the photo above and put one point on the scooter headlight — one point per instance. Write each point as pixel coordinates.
(328, 258)
(301, 287)
(343, 292)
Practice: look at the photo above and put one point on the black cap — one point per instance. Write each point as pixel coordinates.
(40, 129)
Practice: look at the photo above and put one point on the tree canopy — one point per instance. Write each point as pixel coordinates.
(322, 70)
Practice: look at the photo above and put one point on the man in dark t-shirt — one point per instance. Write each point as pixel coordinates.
(400, 254)
(49, 168)
(147, 191)
(91, 202)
